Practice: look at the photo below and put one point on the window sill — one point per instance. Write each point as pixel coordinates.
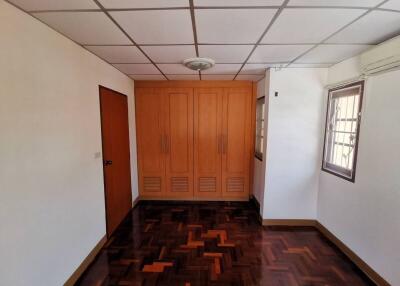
(352, 180)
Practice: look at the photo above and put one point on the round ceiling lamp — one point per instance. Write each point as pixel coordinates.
(199, 64)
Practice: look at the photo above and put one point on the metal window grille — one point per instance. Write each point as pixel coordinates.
(260, 117)
(342, 130)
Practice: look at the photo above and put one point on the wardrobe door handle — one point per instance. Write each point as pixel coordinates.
(162, 145)
(224, 143)
(219, 144)
(166, 144)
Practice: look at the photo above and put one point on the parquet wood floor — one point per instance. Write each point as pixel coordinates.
(215, 243)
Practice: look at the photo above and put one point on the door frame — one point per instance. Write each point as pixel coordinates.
(102, 154)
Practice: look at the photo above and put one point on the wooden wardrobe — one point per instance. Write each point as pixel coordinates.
(194, 139)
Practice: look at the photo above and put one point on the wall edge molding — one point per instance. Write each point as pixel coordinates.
(361, 264)
(135, 202)
(92, 255)
(350, 254)
(289, 222)
(86, 262)
(194, 200)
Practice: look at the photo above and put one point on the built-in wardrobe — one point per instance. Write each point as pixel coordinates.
(194, 139)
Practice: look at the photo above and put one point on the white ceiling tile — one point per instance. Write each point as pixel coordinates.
(217, 77)
(183, 77)
(335, 3)
(157, 26)
(119, 54)
(309, 25)
(296, 65)
(223, 69)
(147, 77)
(176, 69)
(277, 53)
(251, 77)
(237, 3)
(132, 69)
(35, 5)
(373, 28)
(393, 4)
(226, 53)
(232, 26)
(332, 53)
(170, 54)
(138, 4)
(89, 28)
(254, 69)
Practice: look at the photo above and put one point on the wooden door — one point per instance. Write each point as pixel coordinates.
(207, 142)
(179, 142)
(151, 145)
(236, 148)
(116, 156)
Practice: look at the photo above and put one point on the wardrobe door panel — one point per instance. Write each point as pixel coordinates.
(150, 141)
(207, 141)
(236, 142)
(179, 142)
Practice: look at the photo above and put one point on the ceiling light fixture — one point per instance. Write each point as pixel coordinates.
(199, 64)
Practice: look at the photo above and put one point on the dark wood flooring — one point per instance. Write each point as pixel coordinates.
(193, 244)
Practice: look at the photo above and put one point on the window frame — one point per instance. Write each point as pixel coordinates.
(329, 167)
(259, 155)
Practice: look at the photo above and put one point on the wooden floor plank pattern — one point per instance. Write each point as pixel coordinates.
(215, 244)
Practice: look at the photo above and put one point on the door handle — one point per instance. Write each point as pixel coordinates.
(220, 144)
(108, 162)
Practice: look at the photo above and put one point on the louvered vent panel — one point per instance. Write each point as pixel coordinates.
(180, 184)
(152, 184)
(235, 184)
(207, 184)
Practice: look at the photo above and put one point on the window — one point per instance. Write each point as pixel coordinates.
(260, 112)
(342, 130)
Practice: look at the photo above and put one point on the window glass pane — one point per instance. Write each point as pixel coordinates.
(259, 141)
(342, 130)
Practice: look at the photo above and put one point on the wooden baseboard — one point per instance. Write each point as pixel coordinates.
(361, 264)
(135, 202)
(364, 267)
(85, 263)
(289, 222)
(208, 199)
(253, 200)
(91, 256)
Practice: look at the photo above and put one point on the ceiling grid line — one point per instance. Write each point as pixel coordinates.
(221, 63)
(213, 8)
(215, 44)
(272, 49)
(193, 19)
(145, 9)
(207, 8)
(273, 20)
(63, 10)
(64, 35)
(338, 31)
(128, 36)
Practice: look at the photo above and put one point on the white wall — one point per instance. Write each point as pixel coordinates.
(365, 215)
(51, 185)
(294, 143)
(259, 166)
